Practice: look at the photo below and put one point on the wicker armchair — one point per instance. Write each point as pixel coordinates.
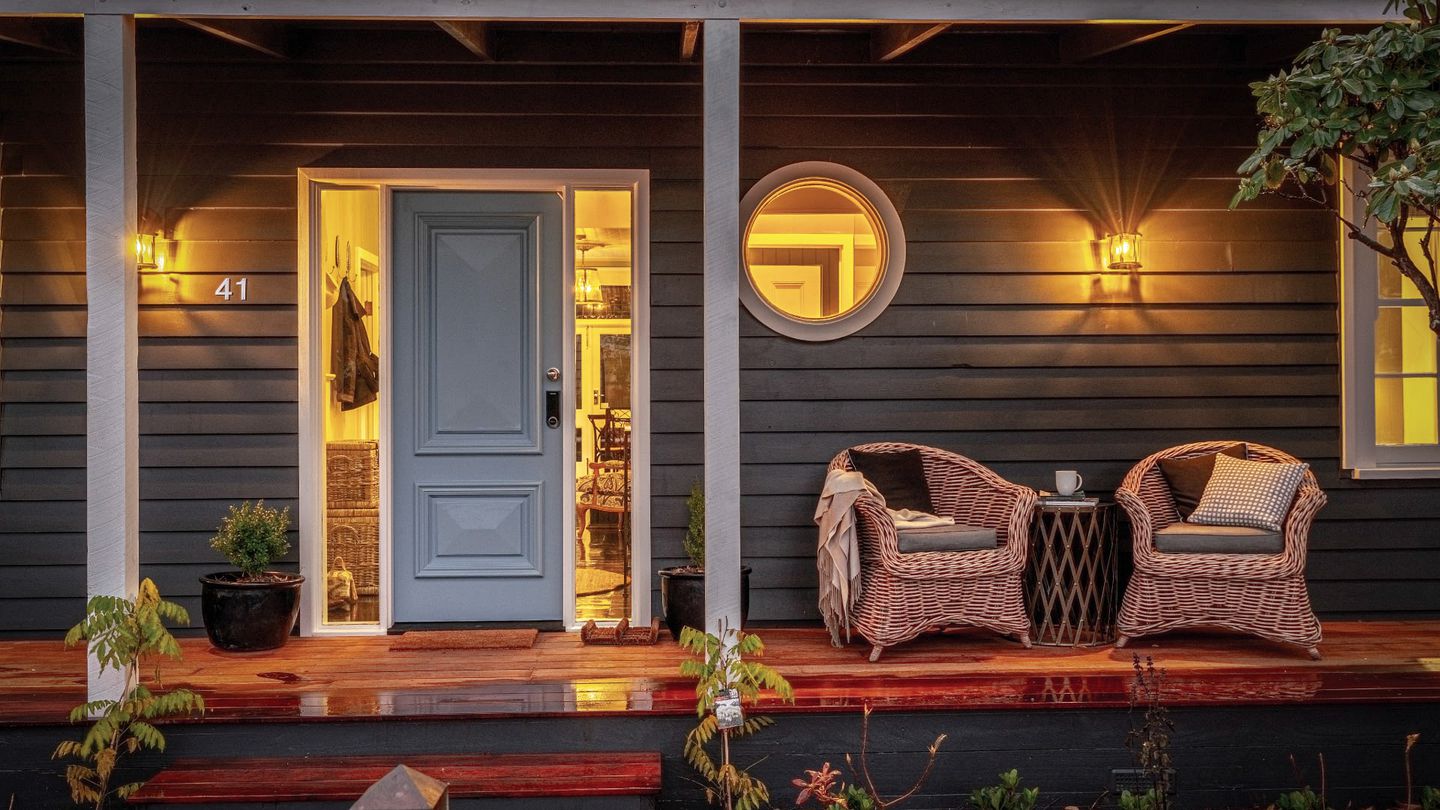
(1261, 594)
(905, 595)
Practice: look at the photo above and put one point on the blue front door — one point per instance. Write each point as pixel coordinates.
(477, 474)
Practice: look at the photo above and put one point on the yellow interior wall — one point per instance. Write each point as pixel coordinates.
(353, 215)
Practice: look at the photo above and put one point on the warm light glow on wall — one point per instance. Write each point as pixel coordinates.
(1122, 251)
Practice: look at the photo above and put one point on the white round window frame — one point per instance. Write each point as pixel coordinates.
(890, 274)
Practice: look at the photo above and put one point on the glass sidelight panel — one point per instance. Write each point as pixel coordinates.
(603, 489)
(348, 237)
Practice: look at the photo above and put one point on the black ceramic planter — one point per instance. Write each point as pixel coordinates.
(682, 597)
(249, 616)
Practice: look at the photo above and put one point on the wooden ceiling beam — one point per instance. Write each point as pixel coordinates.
(269, 38)
(689, 38)
(475, 36)
(1092, 41)
(893, 41)
(35, 34)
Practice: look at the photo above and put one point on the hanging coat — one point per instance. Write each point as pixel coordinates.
(356, 368)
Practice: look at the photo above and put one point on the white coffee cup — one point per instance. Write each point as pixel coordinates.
(1067, 481)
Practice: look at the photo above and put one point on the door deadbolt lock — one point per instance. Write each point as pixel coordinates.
(552, 374)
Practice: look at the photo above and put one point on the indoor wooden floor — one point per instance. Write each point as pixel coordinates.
(340, 678)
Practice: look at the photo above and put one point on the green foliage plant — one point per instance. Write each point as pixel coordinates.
(251, 537)
(695, 531)
(1149, 800)
(1429, 798)
(1149, 742)
(720, 665)
(121, 633)
(1304, 798)
(1007, 795)
(1372, 99)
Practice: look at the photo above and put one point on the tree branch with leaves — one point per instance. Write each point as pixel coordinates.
(720, 667)
(121, 634)
(1372, 100)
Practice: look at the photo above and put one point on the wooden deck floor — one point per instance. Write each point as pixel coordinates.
(361, 678)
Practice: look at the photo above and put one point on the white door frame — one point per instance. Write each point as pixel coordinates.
(312, 429)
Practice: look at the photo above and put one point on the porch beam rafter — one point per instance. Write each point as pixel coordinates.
(35, 34)
(477, 37)
(261, 36)
(689, 39)
(893, 41)
(1093, 41)
(822, 11)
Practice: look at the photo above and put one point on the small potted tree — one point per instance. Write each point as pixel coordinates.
(253, 608)
(682, 589)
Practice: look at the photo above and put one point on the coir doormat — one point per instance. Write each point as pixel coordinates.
(465, 640)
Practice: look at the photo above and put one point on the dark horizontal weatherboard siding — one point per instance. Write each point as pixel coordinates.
(1001, 344)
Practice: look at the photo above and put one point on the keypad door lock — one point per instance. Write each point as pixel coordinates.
(552, 409)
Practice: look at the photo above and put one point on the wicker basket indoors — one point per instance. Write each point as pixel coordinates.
(353, 535)
(352, 511)
(352, 475)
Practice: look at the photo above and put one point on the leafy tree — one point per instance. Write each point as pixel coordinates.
(1372, 99)
(719, 668)
(121, 632)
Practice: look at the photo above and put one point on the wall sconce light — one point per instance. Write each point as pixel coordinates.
(1122, 251)
(149, 252)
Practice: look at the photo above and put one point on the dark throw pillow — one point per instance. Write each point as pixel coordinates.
(899, 476)
(1188, 476)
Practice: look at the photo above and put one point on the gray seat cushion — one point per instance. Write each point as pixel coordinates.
(946, 538)
(1191, 538)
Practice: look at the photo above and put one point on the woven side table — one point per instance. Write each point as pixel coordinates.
(1072, 585)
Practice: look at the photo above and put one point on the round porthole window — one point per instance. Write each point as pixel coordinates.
(823, 251)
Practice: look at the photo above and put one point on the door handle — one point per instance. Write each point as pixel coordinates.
(552, 409)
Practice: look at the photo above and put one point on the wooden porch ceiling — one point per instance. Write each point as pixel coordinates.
(339, 678)
(514, 41)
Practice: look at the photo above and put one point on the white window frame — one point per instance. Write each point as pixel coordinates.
(312, 413)
(1361, 456)
(846, 323)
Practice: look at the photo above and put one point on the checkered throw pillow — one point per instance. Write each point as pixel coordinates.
(1248, 493)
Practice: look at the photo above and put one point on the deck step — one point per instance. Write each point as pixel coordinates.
(609, 780)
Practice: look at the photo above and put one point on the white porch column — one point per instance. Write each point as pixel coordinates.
(722, 323)
(112, 424)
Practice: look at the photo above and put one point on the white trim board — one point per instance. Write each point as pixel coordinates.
(829, 11)
(561, 181)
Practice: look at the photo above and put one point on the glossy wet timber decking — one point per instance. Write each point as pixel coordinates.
(360, 678)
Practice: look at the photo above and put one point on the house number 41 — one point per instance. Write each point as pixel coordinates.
(228, 289)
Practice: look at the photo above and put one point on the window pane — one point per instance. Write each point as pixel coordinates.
(1406, 411)
(350, 269)
(815, 249)
(1404, 343)
(603, 491)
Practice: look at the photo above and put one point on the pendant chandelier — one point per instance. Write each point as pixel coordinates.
(589, 298)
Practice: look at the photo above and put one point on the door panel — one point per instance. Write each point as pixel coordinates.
(478, 476)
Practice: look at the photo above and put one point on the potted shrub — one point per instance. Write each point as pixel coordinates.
(682, 589)
(253, 608)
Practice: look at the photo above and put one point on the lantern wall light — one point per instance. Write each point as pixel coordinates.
(149, 252)
(1122, 251)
